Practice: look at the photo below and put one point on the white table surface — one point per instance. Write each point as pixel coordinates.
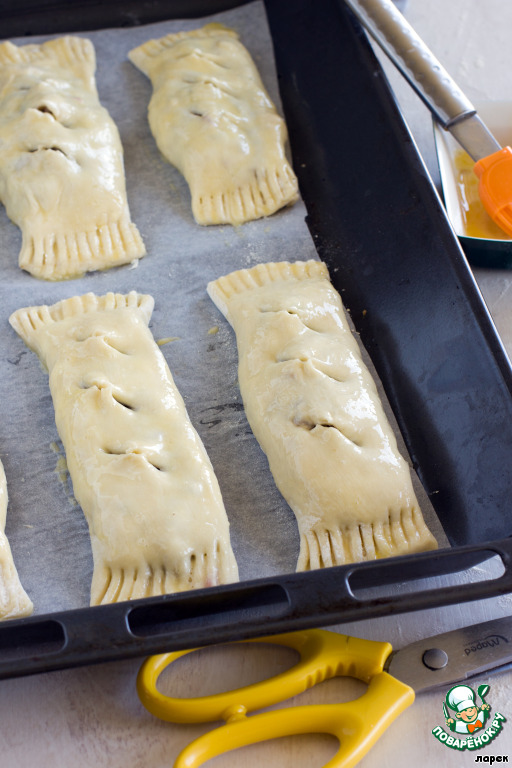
(92, 716)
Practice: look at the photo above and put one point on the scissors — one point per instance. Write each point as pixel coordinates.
(393, 678)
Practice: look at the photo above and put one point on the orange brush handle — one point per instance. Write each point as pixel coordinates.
(495, 188)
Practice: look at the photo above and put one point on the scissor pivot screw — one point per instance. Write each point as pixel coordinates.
(435, 658)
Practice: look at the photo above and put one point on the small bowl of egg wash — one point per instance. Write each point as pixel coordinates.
(483, 242)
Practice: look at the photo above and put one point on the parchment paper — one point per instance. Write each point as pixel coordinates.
(46, 528)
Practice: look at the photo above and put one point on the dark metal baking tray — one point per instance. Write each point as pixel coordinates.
(377, 221)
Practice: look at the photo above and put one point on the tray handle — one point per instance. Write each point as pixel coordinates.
(239, 611)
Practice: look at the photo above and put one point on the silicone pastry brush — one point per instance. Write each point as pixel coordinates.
(449, 105)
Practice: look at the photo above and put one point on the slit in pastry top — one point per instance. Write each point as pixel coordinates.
(139, 469)
(315, 410)
(213, 119)
(14, 601)
(62, 177)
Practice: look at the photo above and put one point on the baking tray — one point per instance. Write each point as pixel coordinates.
(377, 221)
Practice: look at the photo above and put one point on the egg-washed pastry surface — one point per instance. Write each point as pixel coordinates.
(139, 469)
(14, 601)
(213, 119)
(62, 175)
(315, 410)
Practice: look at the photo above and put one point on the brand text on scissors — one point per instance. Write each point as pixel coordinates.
(468, 719)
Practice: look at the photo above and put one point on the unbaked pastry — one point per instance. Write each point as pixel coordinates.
(213, 119)
(61, 162)
(14, 601)
(314, 408)
(139, 469)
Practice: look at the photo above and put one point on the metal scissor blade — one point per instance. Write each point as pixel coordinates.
(454, 656)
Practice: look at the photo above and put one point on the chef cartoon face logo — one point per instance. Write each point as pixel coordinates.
(466, 713)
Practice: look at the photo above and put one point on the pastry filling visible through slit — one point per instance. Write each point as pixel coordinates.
(61, 162)
(315, 410)
(213, 119)
(139, 469)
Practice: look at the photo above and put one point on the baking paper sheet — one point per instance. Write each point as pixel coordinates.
(46, 528)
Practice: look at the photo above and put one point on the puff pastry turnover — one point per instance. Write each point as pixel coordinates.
(139, 469)
(61, 162)
(314, 408)
(213, 119)
(14, 601)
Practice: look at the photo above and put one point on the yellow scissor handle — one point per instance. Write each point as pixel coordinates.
(356, 724)
(323, 655)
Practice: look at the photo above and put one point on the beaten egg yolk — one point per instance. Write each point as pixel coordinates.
(476, 220)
